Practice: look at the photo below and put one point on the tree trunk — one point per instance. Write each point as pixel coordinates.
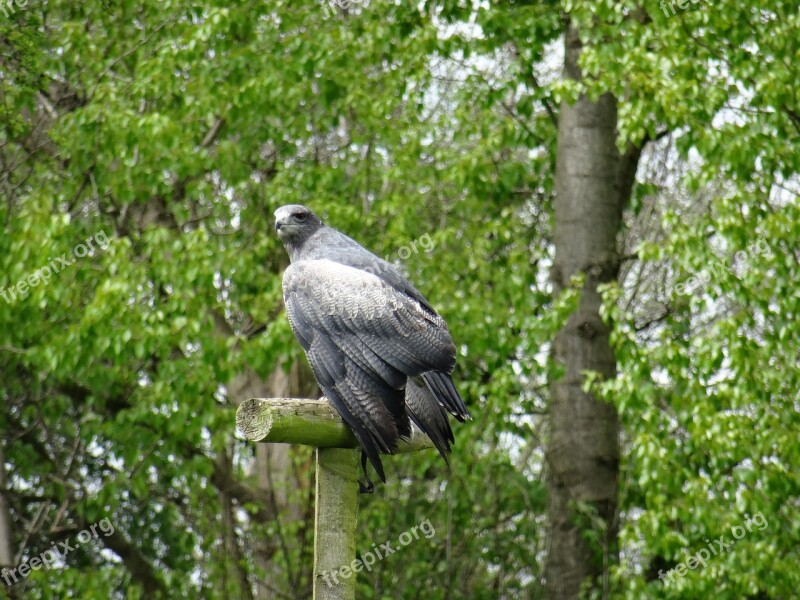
(275, 477)
(592, 184)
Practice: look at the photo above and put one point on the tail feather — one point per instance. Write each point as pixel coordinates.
(442, 388)
(428, 399)
(371, 444)
(429, 416)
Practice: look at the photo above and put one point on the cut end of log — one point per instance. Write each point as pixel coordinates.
(253, 420)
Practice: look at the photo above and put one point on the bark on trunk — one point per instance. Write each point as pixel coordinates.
(583, 451)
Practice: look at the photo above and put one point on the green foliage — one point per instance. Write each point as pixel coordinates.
(175, 129)
(709, 405)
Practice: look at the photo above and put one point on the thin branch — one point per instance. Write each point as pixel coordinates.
(212, 133)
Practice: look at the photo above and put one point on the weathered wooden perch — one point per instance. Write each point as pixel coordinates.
(316, 423)
(303, 421)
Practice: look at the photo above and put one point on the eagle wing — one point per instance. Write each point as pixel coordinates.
(364, 338)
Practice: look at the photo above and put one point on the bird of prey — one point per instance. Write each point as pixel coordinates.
(379, 351)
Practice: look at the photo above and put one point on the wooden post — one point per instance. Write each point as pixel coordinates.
(337, 508)
(316, 423)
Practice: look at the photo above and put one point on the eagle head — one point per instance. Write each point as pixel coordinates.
(295, 224)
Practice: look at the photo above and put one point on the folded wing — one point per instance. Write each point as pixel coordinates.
(364, 339)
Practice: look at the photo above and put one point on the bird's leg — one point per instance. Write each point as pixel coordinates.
(369, 487)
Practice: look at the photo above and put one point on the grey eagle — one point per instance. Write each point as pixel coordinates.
(379, 351)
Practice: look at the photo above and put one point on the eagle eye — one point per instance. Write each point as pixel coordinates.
(301, 216)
